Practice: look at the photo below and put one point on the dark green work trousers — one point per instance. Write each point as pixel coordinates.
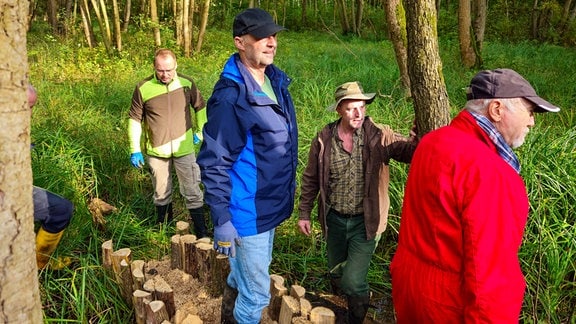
(349, 253)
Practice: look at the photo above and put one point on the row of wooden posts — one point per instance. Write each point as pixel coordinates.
(153, 298)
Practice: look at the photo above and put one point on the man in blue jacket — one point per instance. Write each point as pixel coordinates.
(248, 160)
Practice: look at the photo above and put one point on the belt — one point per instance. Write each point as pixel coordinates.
(339, 214)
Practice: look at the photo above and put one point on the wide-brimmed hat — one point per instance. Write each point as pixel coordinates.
(506, 83)
(256, 22)
(351, 90)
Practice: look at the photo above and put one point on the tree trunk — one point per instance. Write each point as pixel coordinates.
(396, 20)
(154, 18)
(479, 28)
(467, 55)
(106, 21)
(191, 16)
(344, 21)
(52, 13)
(186, 27)
(535, 19)
(567, 17)
(87, 24)
(117, 30)
(303, 20)
(20, 296)
(358, 17)
(178, 9)
(102, 23)
(203, 24)
(127, 11)
(431, 105)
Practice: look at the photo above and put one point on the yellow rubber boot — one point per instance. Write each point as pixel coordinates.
(46, 244)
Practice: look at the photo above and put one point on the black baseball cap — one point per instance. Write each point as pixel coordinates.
(256, 22)
(506, 83)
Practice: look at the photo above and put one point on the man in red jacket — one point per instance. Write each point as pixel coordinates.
(465, 209)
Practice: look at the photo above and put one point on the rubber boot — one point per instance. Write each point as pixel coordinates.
(164, 213)
(228, 301)
(46, 244)
(335, 286)
(357, 308)
(197, 216)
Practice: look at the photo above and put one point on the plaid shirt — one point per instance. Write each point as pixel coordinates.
(504, 150)
(347, 175)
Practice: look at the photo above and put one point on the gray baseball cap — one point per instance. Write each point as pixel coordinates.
(506, 83)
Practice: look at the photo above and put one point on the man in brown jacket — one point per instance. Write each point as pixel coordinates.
(348, 165)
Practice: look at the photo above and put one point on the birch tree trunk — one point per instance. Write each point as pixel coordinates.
(19, 293)
(186, 26)
(127, 12)
(87, 24)
(203, 24)
(102, 22)
(117, 30)
(431, 105)
(155, 21)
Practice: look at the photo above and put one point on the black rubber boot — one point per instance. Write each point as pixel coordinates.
(228, 301)
(164, 213)
(197, 216)
(335, 286)
(357, 308)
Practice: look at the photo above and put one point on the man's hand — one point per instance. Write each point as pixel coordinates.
(304, 226)
(137, 160)
(225, 236)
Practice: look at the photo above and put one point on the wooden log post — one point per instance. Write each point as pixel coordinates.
(220, 269)
(202, 254)
(140, 299)
(119, 255)
(122, 272)
(149, 286)
(176, 256)
(107, 249)
(322, 315)
(277, 290)
(182, 228)
(204, 239)
(305, 307)
(297, 291)
(189, 263)
(156, 312)
(164, 292)
(137, 267)
(290, 308)
(126, 284)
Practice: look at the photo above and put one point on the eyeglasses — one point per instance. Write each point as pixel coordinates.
(165, 71)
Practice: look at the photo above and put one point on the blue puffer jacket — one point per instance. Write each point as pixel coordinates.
(249, 155)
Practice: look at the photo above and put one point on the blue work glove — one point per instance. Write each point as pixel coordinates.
(225, 236)
(137, 160)
(197, 138)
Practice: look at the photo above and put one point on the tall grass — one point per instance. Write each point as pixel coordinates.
(81, 152)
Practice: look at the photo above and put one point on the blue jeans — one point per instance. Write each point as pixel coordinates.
(249, 275)
(51, 210)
